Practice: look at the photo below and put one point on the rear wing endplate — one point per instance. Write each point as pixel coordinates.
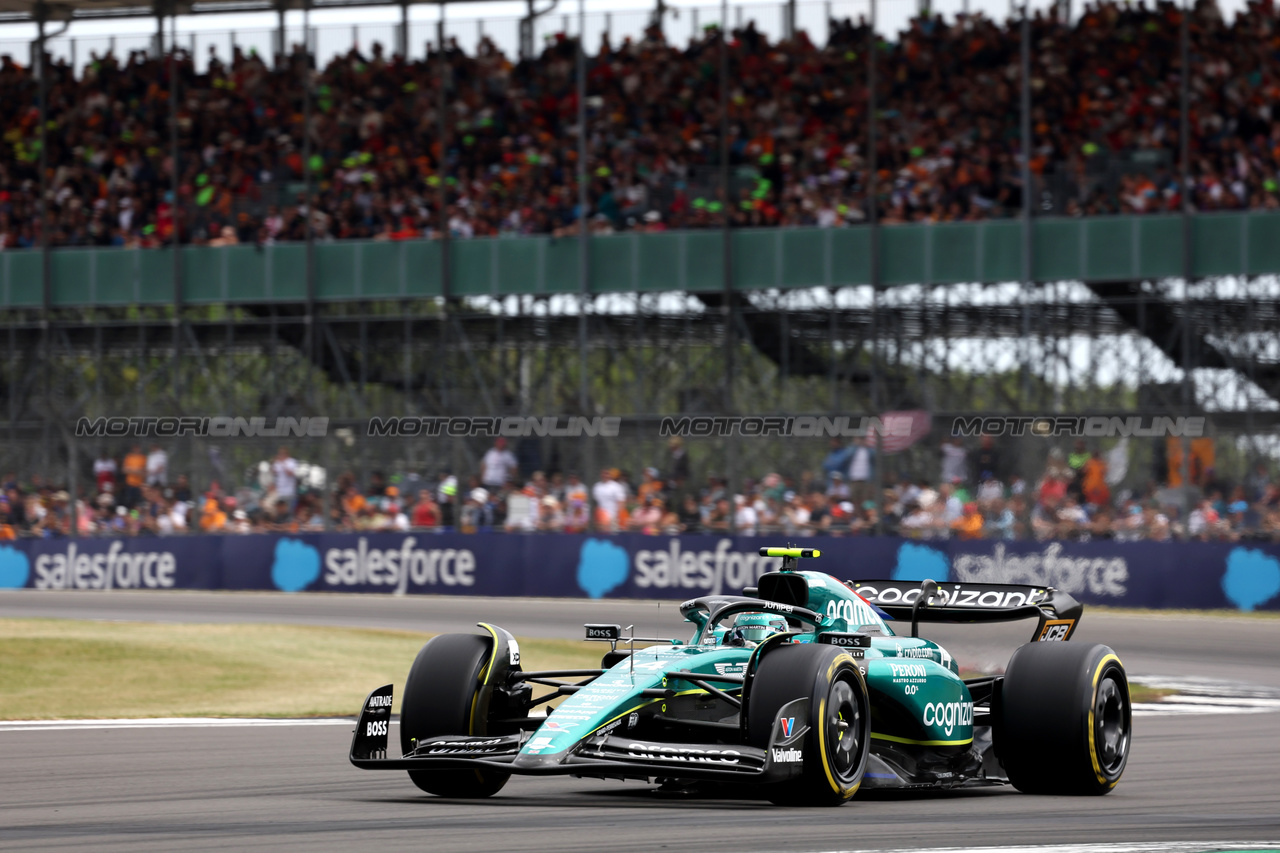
(1056, 612)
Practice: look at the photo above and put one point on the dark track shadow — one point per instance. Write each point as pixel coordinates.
(652, 796)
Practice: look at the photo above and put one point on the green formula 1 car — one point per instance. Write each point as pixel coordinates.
(798, 688)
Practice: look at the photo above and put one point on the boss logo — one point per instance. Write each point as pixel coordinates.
(376, 728)
(848, 641)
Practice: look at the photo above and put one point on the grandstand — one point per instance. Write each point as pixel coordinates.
(423, 249)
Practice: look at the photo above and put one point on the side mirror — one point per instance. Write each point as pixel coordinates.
(603, 632)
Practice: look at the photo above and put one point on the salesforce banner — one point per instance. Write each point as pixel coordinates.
(1191, 575)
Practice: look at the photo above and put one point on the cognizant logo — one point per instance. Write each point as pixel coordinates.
(948, 715)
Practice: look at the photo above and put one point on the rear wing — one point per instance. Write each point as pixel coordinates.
(1056, 612)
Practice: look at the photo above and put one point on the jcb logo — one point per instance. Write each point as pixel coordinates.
(376, 728)
(1056, 630)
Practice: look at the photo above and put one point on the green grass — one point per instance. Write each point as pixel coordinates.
(63, 669)
(1142, 693)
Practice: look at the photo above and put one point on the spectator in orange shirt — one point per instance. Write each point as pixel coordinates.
(135, 472)
(969, 525)
(212, 518)
(650, 485)
(1094, 481)
(352, 501)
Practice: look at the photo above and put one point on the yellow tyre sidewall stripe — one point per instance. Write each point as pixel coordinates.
(1093, 705)
(842, 790)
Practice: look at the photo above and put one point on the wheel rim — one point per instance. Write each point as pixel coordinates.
(1111, 722)
(843, 731)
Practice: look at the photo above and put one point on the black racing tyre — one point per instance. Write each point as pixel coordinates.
(835, 752)
(439, 698)
(1065, 722)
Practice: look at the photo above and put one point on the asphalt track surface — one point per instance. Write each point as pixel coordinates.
(1202, 777)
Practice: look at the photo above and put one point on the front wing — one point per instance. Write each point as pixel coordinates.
(600, 754)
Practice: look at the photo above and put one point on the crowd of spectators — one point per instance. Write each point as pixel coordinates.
(974, 493)
(1105, 91)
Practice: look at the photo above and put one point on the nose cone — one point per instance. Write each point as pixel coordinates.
(529, 763)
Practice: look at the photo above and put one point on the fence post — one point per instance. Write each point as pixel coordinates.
(584, 234)
(442, 172)
(402, 36)
(176, 176)
(309, 259)
(1188, 266)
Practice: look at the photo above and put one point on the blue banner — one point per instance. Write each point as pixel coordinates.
(1184, 575)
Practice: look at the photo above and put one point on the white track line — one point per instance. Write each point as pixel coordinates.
(1183, 705)
(1145, 847)
(1195, 686)
(167, 723)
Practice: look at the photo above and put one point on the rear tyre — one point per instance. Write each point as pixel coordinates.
(835, 752)
(439, 699)
(1066, 721)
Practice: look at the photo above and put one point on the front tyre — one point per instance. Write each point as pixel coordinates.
(835, 751)
(1066, 721)
(440, 699)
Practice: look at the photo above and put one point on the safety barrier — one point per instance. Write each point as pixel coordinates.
(1133, 574)
(1108, 248)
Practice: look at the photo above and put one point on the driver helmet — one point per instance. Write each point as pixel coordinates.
(751, 629)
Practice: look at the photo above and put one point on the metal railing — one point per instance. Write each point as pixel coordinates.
(330, 41)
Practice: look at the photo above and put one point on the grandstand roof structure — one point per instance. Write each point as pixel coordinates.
(20, 11)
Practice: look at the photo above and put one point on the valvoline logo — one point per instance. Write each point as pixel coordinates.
(788, 725)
